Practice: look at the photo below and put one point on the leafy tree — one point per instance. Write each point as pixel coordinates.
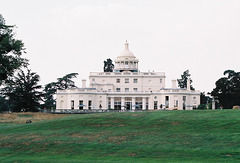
(66, 81)
(227, 90)
(108, 65)
(23, 91)
(3, 104)
(49, 92)
(11, 50)
(50, 89)
(182, 83)
(205, 101)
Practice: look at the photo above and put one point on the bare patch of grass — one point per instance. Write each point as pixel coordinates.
(21, 118)
(90, 137)
(132, 154)
(117, 139)
(175, 123)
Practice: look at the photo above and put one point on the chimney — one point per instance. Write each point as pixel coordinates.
(188, 84)
(174, 83)
(84, 83)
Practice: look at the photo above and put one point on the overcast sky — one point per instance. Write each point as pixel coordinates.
(171, 36)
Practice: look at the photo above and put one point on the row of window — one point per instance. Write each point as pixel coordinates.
(126, 62)
(126, 80)
(126, 89)
(118, 105)
(176, 103)
(134, 80)
(80, 106)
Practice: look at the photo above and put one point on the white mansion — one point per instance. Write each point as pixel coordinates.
(127, 89)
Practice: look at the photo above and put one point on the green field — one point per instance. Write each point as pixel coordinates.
(159, 136)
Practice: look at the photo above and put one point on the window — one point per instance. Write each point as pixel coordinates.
(109, 90)
(117, 105)
(175, 103)
(118, 89)
(126, 89)
(135, 80)
(72, 104)
(93, 80)
(155, 105)
(126, 80)
(80, 104)
(135, 89)
(184, 98)
(138, 105)
(184, 102)
(89, 104)
(160, 80)
(117, 80)
(109, 104)
(167, 101)
(126, 63)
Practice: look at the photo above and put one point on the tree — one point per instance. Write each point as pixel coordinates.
(227, 90)
(205, 101)
(66, 81)
(50, 89)
(49, 92)
(23, 91)
(3, 104)
(108, 65)
(182, 83)
(11, 50)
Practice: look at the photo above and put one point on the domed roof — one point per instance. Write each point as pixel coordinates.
(126, 52)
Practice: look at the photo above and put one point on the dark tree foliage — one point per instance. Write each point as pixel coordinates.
(50, 89)
(23, 92)
(66, 81)
(49, 92)
(204, 99)
(227, 90)
(205, 102)
(11, 50)
(3, 104)
(182, 83)
(108, 65)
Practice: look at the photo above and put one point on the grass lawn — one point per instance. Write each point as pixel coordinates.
(159, 136)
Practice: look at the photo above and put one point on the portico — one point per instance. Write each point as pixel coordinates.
(128, 102)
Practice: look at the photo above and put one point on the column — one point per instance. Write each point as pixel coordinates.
(144, 103)
(112, 102)
(133, 103)
(213, 104)
(150, 103)
(122, 103)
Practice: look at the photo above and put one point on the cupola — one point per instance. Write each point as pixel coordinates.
(126, 61)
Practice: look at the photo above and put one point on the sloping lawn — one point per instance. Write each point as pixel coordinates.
(159, 136)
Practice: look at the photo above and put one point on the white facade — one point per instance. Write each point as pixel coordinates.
(127, 89)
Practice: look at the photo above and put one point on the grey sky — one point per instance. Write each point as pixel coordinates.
(65, 36)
